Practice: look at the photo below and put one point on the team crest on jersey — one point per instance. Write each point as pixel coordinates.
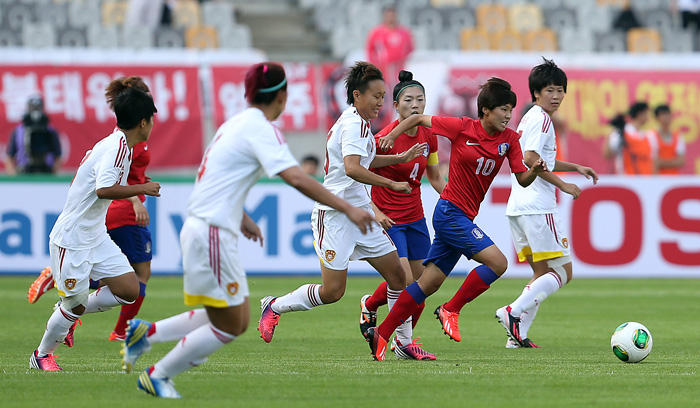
(478, 234)
(503, 149)
(330, 255)
(70, 283)
(565, 242)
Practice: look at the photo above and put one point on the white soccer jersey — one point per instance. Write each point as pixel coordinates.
(350, 135)
(536, 134)
(81, 224)
(245, 146)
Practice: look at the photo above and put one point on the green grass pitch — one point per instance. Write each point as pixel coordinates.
(319, 359)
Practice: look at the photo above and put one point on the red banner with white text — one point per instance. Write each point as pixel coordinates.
(75, 103)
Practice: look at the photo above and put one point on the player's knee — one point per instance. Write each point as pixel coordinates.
(75, 303)
(562, 267)
(499, 266)
(331, 295)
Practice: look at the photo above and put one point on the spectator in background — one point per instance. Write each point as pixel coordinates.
(34, 146)
(634, 150)
(388, 47)
(309, 165)
(626, 20)
(671, 144)
(689, 11)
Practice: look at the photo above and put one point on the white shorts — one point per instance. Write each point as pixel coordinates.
(539, 235)
(73, 268)
(338, 240)
(213, 275)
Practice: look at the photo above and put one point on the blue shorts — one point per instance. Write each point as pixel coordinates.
(455, 235)
(134, 241)
(412, 240)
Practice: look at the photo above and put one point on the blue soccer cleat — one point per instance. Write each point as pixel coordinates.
(158, 387)
(135, 343)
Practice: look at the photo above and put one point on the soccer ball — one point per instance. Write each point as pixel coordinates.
(631, 342)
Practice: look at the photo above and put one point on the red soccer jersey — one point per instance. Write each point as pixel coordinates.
(121, 212)
(475, 160)
(401, 207)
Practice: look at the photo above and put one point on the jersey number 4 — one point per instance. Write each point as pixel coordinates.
(485, 166)
(414, 172)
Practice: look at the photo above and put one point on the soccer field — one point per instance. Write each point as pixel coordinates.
(319, 359)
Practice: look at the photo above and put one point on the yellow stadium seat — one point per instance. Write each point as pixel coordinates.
(186, 13)
(506, 40)
(643, 40)
(621, 4)
(543, 39)
(525, 17)
(492, 17)
(201, 37)
(474, 40)
(114, 13)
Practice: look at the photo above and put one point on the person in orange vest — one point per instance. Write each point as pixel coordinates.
(634, 150)
(671, 144)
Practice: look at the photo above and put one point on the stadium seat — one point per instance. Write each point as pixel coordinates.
(659, 19)
(446, 40)
(71, 38)
(458, 19)
(137, 37)
(186, 13)
(524, 17)
(329, 18)
(17, 15)
(55, 14)
(507, 40)
(643, 40)
(560, 19)
(169, 38)
(429, 18)
(39, 35)
(103, 36)
(422, 38)
(548, 4)
(84, 13)
(618, 4)
(8, 38)
(446, 3)
(596, 19)
(201, 37)
(576, 41)
(474, 39)
(642, 5)
(543, 39)
(218, 14)
(613, 41)
(235, 37)
(678, 41)
(114, 13)
(492, 17)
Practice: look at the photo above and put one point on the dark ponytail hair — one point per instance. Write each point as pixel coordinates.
(263, 82)
(361, 74)
(405, 80)
(494, 93)
(120, 84)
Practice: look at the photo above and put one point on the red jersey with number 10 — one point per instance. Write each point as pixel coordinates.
(403, 208)
(475, 160)
(121, 212)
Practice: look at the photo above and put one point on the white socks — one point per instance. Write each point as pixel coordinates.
(176, 327)
(540, 289)
(526, 320)
(56, 329)
(306, 297)
(191, 351)
(103, 299)
(405, 331)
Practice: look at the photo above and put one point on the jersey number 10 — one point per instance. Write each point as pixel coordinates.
(485, 166)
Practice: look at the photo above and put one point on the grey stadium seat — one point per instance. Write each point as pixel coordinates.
(548, 4)
(330, 18)
(613, 41)
(446, 40)
(659, 19)
(38, 35)
(235, 37)
(560, 19)
(218, 14)
(678, 41)
(53, 13)
(137, 37)
(429, 18)
(71, 37)
(84, 13)
(17, 15)
(102, 37)
(576, 41)
(597, 19)
(458, 19)
(8, 38)
(169, 38)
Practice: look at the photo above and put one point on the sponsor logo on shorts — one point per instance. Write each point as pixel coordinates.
(565, 242)
(148, 247)
(232, 288)
(70, 283)
(503, 148)
(478, 234)
(330, 255)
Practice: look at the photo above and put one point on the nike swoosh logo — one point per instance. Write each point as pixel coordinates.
(470, 143)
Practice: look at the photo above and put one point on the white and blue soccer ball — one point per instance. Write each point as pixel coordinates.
(631, 342)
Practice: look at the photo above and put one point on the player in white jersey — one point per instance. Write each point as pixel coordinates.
(350, 152)
(79, 245)
(244, 148)
(532, 211)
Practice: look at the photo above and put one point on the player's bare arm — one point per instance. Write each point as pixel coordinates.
(357, 172)
(526, 178)
(383, 160)
(435, 178)
(140, 211)
(568, 188)
(387, 142)
(381, 218)
(118, 191)
(250, 229)
(311, 188)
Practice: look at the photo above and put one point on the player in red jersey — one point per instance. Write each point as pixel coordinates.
(479, 148)
(127, 225)
(401, 215)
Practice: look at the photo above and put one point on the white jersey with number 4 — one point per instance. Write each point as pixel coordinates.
(81, 224)
(350, 135)
(537, 135)
(245, 146)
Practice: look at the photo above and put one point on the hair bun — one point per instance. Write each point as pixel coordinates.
(405, 76)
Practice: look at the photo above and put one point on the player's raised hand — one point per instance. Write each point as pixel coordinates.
(539, 166)
(416, 150)
(385, 142)
(361, 218)
(589, 173)
(401, 186)
(152, 188)
(572, 189)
